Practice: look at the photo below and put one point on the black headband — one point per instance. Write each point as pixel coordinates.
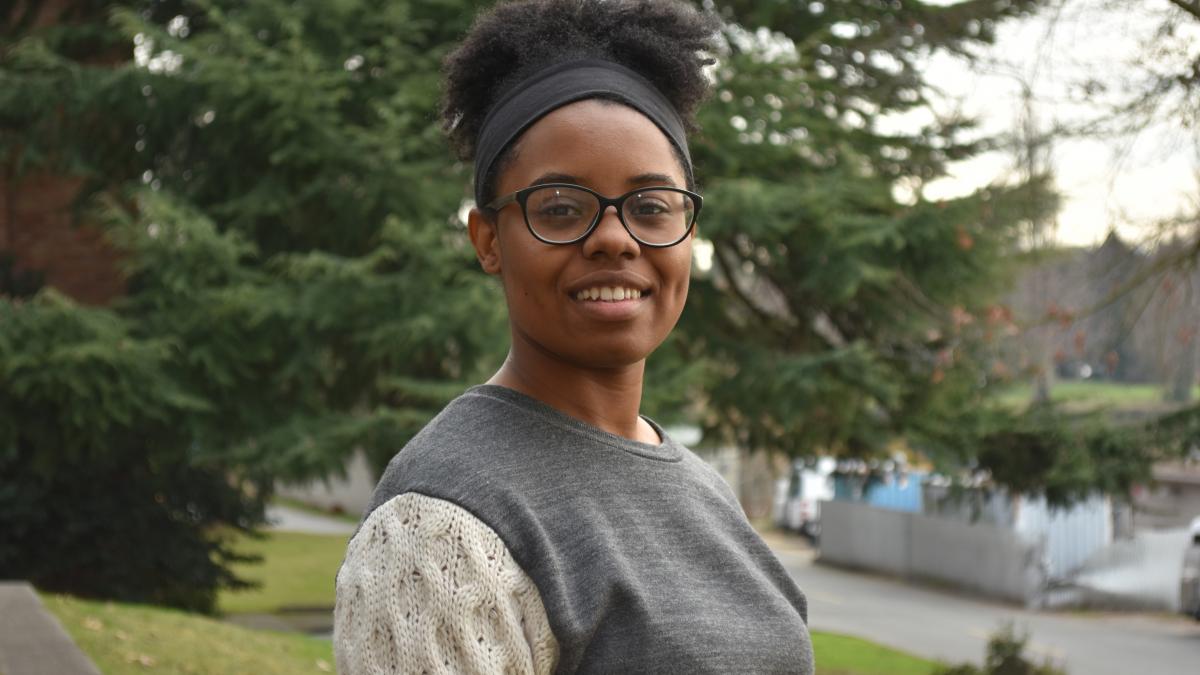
(565, 83)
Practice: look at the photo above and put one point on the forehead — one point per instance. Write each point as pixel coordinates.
(602, 143)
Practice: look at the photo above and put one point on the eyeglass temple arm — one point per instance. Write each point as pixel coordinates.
(501, 202)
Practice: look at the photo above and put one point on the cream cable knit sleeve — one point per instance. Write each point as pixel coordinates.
(427, 587)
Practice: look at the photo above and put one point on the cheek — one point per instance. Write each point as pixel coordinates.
(675, 272)
(530, 273)
(678, 270)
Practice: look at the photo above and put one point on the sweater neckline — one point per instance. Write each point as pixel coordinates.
(667, 451)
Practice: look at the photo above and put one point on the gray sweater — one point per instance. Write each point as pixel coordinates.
(642, 555)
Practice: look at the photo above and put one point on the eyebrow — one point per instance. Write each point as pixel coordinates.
(640, 179)
(555, 178)
(652, 178)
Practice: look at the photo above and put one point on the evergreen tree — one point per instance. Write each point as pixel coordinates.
(299, 284)
(846, 312)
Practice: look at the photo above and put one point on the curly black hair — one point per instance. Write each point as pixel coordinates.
(664, 41)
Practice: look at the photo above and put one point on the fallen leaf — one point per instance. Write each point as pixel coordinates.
(323, 666)
(144, 660)
(92, 623)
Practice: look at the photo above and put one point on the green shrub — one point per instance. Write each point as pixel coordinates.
(1005, 656)
(102, 494)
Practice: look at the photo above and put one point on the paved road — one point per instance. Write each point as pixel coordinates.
(287, 519)
(952, 627)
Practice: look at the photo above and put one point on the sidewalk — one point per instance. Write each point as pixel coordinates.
(788, 544)
(288, 519)
(32, 642)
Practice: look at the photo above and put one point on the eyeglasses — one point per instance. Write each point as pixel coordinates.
(561, 213)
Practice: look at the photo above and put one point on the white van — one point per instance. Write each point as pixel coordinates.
(798, 497)
(1189, 582)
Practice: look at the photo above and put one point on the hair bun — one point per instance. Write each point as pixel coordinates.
(664, 41)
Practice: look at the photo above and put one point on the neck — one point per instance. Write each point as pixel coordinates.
(607, 398)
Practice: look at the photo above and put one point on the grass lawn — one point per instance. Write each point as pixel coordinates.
(127, 639)
(297, 571)
(1092, 394)
(845, 655)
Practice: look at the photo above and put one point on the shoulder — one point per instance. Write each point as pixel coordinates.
(454, 451)
(426, 586)
(464, 422)
(706, 473)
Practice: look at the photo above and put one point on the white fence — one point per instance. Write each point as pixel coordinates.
(987, 559)
(1068, 537)
(1017, 560)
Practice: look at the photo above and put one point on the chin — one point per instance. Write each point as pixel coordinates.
(611, 354)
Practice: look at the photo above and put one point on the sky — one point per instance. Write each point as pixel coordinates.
(1128, 184)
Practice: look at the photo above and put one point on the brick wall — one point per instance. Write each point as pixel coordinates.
(38, 224)
(39, 227)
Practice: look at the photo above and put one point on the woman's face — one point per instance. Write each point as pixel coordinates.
(611, 149)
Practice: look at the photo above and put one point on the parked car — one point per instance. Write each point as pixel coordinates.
(798, 497)
(1189, 582)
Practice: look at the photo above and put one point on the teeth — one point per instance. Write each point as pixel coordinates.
(609, 294)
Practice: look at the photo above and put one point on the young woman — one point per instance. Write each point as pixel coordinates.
(539, 524)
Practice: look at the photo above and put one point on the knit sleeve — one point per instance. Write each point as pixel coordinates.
(427, 587)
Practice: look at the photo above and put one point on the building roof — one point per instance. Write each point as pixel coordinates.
(1186, 472)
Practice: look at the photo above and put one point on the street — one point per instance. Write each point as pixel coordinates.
(953, 627)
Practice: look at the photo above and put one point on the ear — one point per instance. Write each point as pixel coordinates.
(486, 240)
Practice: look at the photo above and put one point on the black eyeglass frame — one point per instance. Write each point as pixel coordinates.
(522, 197)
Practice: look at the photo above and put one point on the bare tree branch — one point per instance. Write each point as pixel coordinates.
(1184, 256)
(727, 270)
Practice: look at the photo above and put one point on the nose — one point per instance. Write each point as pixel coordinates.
(610, 238)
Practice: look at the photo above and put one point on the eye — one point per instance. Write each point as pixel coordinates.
(651, 209)
(649, 205)
(561, 209)
(558, 204)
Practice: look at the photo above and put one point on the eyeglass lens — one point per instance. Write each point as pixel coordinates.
(654, 216)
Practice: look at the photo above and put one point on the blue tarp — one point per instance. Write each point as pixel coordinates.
(897, 492)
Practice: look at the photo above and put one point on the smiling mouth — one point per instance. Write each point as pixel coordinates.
(609, 294)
